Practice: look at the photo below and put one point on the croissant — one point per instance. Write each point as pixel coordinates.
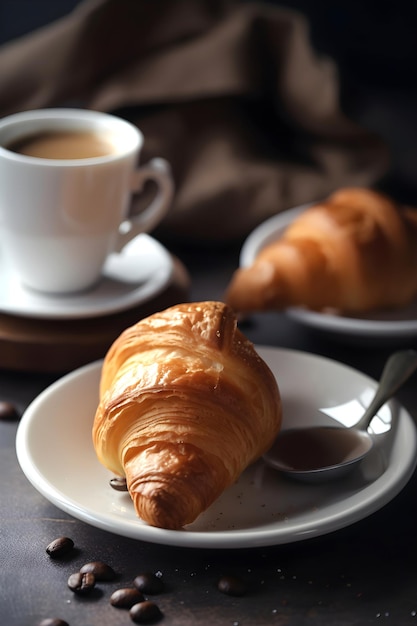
(186, 404)
(354, 252)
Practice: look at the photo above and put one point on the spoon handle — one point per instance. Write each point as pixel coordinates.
(396, 372)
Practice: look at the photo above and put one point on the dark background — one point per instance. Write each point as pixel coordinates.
(373, 43)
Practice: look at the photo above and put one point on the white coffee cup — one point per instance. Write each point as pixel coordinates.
(61, 217)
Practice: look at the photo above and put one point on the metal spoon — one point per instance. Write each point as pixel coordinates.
(323, 453)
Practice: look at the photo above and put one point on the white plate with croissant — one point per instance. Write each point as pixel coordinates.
(346, 265)
(55, 450)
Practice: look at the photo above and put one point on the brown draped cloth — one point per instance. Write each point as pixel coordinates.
(232, 94)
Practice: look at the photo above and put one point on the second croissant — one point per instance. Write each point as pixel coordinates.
(354, 252)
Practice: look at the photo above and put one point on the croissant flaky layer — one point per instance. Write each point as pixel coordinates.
(186, 404)
(354, 252)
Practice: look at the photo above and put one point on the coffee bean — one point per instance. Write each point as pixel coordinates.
(59, 547)
(53, 621)
(148, 583)
(81, 583)
(101, 570)
(126, 598)
(118, 483)
(8, 412)
(145, 612)
(231, 586)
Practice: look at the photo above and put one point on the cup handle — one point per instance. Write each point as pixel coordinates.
(159, 171)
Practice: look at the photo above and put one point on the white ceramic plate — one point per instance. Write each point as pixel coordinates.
(55, 451)
(386, 325)
(138, 273)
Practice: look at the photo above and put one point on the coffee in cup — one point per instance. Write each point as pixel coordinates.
(63, 145)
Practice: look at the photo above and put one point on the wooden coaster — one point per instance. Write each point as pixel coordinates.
(59, 346)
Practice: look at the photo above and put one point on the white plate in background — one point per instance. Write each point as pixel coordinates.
(382, 326)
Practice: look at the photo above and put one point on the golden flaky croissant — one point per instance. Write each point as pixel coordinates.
(186, 404)
(354, 252)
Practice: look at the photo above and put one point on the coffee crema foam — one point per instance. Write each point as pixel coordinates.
(63, 144)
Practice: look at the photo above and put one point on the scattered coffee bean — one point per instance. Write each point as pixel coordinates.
(231, 586)
(101, 570)
(53, 621)
(118, 483)
(148, 583)
(81, 583)
(145, 612)
(59, 547)
(8, 412)
(126, 598)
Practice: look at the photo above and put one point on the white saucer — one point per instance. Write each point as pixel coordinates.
(383, 326)
(262, 508)
(138, 273)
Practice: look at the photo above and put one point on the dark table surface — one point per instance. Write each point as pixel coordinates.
(363, 574)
